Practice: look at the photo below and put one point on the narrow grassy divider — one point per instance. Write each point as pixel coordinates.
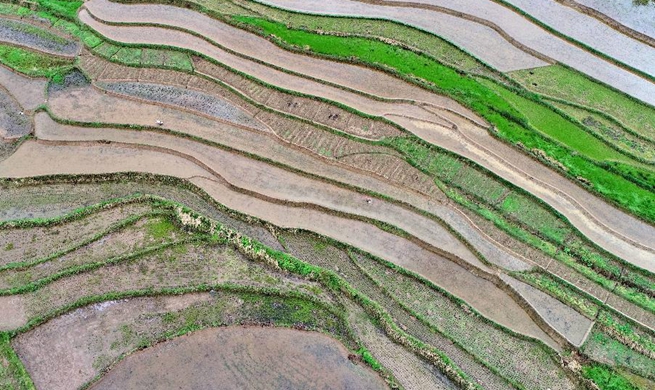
(13, 375)
(38, 284)
(130, 221)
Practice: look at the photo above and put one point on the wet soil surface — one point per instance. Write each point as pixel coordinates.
(14, 123)
(239, 358)
(186, 98)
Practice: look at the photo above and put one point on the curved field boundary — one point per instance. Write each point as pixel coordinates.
(544, 42)
(22, 88)
(67, 46)
(592, 48)
(375, 241)
(613, 23)
(26, 183)
(193, 188)
(528, 261)
(257, 252)
(357, 182)
(452, 26)
(242, 356)
(169, 39)
(625, 12)
(530, 182)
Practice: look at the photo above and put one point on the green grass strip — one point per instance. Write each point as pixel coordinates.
(606, 378)
(13, 375)
(34, 64)
(62, 8)
(112, 229)
(560, 82)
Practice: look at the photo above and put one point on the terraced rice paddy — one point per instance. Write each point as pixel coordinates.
(337, 194)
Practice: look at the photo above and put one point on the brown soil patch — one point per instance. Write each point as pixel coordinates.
(29, 92)
(34, 159)
(13, 312)
(61, 354)
(238, 358)
(565, 320)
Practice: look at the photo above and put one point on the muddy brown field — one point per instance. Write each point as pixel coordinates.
(236, 358)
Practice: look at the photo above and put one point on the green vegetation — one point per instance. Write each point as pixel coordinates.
(564, 293)
(35, 64)
(606, 378)
(562, 83)
(160, 228)
(62, 8)
(13, 375)
(512, 125)
(611, 131)
(369, 359)
(574, 136)
(425, 42)
(602, 347)
(128, 56)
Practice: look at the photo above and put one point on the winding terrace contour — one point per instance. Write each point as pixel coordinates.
(607, 226)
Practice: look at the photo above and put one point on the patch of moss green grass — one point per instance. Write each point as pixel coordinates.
(602, 347)
(34, 64)
(160, 228)
(562, 83)
(14, 10)
(512, 124)
(575, 137)
(62, 8)
(611, 131)
(13, 375)
(128, 56)
(606, 378)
